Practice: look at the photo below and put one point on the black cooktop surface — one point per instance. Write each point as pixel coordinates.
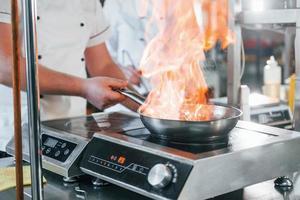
(123, 123)
(86, 126)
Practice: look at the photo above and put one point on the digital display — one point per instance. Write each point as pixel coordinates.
(50, 142)
(121, 160)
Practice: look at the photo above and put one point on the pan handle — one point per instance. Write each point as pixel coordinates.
(134, 96)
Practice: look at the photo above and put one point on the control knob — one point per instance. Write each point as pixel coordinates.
(159, 176)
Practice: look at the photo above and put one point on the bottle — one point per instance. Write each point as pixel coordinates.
(272, 78)
(292, 87)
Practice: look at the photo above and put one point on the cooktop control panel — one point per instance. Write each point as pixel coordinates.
(278, 116)
(134, 169)
(57, 148)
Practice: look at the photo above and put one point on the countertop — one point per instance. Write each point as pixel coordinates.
(57, 189)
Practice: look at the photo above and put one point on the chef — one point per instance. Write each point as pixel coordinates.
(128, 40)
(70, 39)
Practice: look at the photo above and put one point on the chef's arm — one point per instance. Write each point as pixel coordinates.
(100, 63)
(53, 82)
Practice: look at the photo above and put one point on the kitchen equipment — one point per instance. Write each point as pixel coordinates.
(162, 169)
(267, 111)
(61, 151)
(64, 140)
(134, 96)
(122, 151)
(224, 118)
(274, 115)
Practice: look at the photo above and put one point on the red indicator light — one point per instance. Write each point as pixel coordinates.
(121, 160)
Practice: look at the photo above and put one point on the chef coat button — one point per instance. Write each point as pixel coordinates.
(142, 39)
(38, 17)
(82, 24)
(82, 59)
(39, 57)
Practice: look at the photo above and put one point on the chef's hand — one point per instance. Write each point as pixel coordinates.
(99, 91)
(133, 75)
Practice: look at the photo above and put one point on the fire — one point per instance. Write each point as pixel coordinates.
(172, 59)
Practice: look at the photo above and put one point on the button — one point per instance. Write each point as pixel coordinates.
(66, 152)
(64, 145)
(82, 24)
(137, 169)
(113, 158)
(141, 170)
(57, 153)
(82, 59)
(48, 151)
(134, 167)
(38, 18)
(39, 57)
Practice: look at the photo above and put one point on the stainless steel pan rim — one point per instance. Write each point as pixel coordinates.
(213, 130)
(238, 114)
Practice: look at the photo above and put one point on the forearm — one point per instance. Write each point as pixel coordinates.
(50, 81)
(53, 82)
(104, 66)
(110, 70)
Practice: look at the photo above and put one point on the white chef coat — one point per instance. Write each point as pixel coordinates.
(65, 28)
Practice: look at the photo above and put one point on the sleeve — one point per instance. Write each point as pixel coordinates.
(102, 28)
(5, 11)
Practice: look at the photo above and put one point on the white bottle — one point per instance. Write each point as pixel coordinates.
(244, 102)
(272, 78)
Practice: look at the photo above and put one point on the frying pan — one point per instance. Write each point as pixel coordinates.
(224, 119)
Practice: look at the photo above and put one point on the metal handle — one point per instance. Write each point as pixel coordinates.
(30, 44)
(134, 96)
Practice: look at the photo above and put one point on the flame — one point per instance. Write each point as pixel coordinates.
(172, 59)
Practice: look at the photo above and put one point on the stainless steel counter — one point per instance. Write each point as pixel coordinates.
(56, 189)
